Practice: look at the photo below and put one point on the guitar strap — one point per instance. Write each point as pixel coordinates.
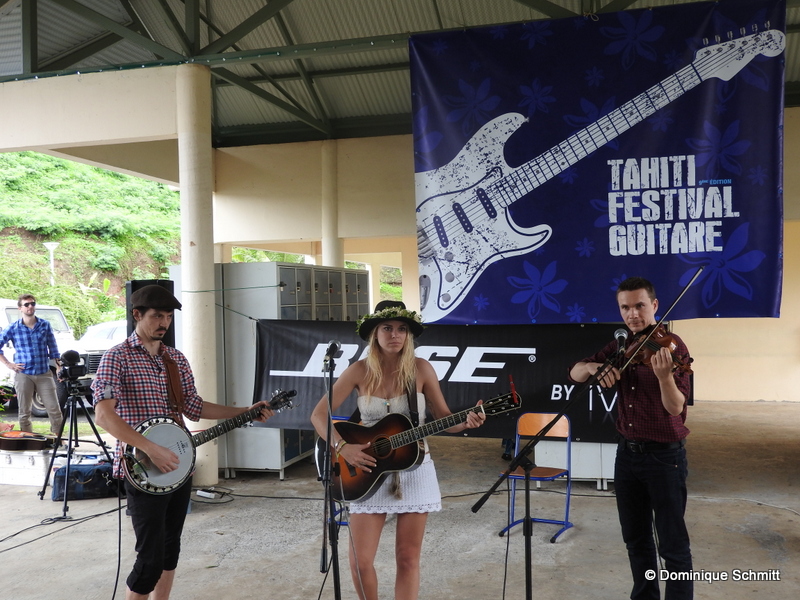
(174, 389)
(413, 407)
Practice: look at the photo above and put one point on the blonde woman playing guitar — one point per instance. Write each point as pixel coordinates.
(384, 380)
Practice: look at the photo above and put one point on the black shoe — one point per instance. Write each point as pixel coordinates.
(506, 456)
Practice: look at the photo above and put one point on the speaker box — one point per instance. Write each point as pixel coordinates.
(135, 284)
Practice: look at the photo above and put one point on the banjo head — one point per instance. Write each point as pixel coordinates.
(163, 431)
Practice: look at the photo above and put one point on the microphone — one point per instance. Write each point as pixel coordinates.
(620, 335)
(70, 357)
(333, 348)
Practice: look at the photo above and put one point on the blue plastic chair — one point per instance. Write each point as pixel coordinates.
(528, 426)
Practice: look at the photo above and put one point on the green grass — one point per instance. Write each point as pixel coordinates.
(43, 428)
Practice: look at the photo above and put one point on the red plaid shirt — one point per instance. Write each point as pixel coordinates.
(641, 417)
(137, 381)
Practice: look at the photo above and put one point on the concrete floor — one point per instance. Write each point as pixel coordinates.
(265, 539)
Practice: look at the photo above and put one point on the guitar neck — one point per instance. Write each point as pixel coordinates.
(559, 158)
(417, 433)
(226, 426)
(722, 61)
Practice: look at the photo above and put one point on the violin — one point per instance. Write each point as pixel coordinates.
(649, 341)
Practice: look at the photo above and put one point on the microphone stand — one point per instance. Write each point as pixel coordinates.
(330, 529)
(522, 460)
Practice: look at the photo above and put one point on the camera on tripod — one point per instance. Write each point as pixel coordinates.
(72, 367)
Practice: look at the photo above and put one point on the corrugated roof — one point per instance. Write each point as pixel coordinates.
(295, 70)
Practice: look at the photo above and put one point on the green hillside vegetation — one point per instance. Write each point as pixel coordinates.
(111, 228)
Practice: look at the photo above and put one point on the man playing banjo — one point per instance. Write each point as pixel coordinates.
(137, 380)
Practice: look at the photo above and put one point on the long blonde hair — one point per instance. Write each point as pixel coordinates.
(406, 374)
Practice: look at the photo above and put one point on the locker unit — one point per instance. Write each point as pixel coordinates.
(248, 291)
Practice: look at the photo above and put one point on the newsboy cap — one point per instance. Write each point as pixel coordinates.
(154, 296)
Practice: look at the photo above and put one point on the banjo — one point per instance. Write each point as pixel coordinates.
(167, 432)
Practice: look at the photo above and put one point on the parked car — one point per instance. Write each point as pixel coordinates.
(99, 338)
(9, 312)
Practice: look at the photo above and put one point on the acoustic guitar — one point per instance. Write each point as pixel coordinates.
(394, 443)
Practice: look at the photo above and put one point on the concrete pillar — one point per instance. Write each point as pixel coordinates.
(410, 269)
(332, 244)
(374, 269)
(195, 162)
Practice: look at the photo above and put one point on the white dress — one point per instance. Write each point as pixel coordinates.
(419, 486)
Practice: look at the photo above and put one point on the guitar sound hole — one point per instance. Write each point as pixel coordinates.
(381, 448)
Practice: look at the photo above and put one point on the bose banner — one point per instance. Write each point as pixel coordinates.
(556, 158)
(472, 363)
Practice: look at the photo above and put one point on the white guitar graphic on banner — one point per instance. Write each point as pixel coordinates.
(463, 223)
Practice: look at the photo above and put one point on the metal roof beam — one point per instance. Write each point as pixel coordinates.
(90, 49)
(343, 72)
(192, 24)
(257, 19)
(169, 15)
(311, 50)
(30, 37)
(321, 48)
(615, 6)
(265, 77)
(554, 11)
(241, 82)
(121, 30)
(301, 68)
(93, 46)
(279, 133)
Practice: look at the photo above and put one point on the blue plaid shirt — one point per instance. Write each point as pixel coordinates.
(32, 347)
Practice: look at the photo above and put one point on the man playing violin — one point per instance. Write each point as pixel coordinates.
(650, 469)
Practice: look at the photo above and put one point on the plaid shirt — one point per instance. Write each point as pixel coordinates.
(32, 347)
(137, 381)
(641, 417)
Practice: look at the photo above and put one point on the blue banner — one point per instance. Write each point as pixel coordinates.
(556, 158)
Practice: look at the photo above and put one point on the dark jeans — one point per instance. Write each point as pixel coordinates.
(651, 487)
(158, 523)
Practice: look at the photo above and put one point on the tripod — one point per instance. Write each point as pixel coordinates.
(73, 401)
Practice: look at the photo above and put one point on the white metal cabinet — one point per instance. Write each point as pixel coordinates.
(247, 291)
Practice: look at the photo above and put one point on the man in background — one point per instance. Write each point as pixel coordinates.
(34, 347)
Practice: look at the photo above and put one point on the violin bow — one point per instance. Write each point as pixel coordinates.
(663, 317)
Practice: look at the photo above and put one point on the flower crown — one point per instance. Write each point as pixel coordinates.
(387, 314)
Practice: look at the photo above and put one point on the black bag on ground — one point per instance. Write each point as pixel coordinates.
(85, 481)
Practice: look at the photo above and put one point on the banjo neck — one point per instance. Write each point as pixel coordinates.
(229, 425)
